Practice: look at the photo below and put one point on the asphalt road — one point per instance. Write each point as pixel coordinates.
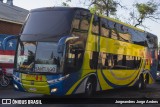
(152, 92)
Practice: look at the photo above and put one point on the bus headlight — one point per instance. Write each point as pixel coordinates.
(15, 86)
(53, 90)
(158, 73)
(58, 79)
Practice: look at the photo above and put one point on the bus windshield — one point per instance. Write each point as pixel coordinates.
(47, 24)
(39, 57)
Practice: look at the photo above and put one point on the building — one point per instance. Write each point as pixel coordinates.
(11, 18)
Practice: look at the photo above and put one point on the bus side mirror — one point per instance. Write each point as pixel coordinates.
(61, 44)
(60, 48)
(63, 41)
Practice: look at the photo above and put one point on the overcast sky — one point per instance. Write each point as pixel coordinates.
(154, 27)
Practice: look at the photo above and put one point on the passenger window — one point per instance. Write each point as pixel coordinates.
(123, 34)
(80, 26)
(104, 27)
(95, 25)
(74, 56)
(94, 60)
(107, 61)
(115, 61)
(81, 21)
(114, 33)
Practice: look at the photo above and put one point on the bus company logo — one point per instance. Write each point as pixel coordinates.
(6, 101)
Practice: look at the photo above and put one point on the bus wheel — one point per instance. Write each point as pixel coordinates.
(141, 83)
(90, 88)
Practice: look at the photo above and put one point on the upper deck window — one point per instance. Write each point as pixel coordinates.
(96, 25)
(104, 27)
(48, 23)
(81, 20)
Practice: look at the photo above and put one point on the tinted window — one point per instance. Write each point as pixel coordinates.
(26, 55)
(114, 32)
(39, 57)
(74, 56)
(47, 57)
(107, 60)
(138, 37)
(47, 23)
(124, 34)
(80, 25)
(81, 20)
(94, 60)
(113, 61)
(152, 41)
(104, 27)
(95, 25)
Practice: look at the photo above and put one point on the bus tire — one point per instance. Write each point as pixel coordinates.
(141, 83)
(90, 87)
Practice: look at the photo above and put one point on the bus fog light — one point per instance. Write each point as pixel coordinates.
(53, 90)
(15, 86)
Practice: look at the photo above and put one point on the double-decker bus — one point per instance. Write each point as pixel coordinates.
(64, 51)
(8, 45)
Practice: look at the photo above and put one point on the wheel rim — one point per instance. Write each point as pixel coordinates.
(139, 85)
(89, 88)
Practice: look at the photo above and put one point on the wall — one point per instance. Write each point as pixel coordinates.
(9, 28)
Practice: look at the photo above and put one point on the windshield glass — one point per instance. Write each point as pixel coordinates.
(47, 23)
(26, 55)
(39, 57)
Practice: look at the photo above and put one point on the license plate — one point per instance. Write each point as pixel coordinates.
(32, 89)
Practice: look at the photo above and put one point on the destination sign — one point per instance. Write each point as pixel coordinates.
(45, 68)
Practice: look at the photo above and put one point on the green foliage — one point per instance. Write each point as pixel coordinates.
(93, 9)
(141, 11)
(148, 10)
(145, 9)
(66, 3)
(105, 7)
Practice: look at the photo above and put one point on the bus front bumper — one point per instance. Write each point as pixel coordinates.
(38, 87)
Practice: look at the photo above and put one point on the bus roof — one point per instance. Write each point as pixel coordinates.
(57, 8)
(78, 8)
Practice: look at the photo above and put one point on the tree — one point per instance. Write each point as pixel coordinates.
(66, 3)
(105, 7)
(148, 10)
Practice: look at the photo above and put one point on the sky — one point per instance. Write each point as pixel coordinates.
(154, 27)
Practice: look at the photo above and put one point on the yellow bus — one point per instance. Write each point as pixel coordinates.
(64, 51)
